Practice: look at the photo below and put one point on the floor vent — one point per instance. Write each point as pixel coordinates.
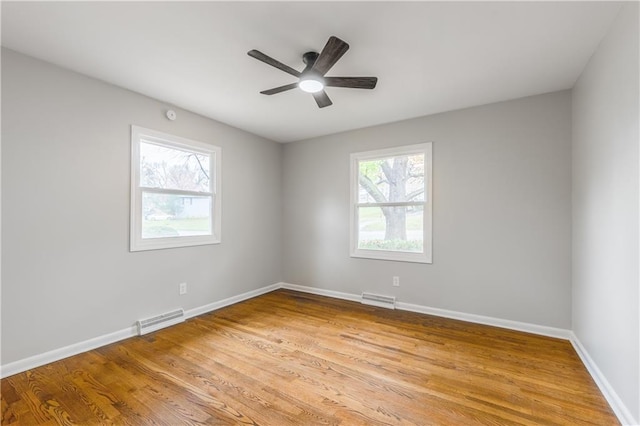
(379, 300)
(160, 321)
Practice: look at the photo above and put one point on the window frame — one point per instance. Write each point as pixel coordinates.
(399, 256)
(137, 243)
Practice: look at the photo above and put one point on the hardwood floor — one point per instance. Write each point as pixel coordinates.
(289, 358)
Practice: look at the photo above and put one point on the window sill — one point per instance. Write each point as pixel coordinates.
(175, 242)
(393, 256)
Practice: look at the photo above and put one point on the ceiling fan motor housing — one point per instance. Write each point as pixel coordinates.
(309, 59)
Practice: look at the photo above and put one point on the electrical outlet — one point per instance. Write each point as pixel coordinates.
(396, 281)
(182, 288)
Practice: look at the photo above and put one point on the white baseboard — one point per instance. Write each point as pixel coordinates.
(478, 319)
(230, 301)
(321, 292)
(57, 354)
(559, 333)
(618, 407)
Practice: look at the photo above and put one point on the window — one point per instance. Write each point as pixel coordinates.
(391, 204)
(175, 191)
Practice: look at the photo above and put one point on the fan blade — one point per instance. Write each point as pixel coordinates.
(269, 60)
(351, 82)
(279, 89)
(332, 51)
(322, 99)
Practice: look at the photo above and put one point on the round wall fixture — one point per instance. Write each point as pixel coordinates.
(171, 115)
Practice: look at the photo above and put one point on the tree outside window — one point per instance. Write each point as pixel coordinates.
(175, 191)
(391, 205)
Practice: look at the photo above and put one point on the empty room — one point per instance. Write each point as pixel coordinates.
(300, 213)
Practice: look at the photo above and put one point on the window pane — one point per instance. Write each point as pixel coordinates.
(393, 179)
(172, 168)
(165, 215)
(391, 228)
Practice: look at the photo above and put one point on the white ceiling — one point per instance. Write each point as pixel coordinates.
(429, 57)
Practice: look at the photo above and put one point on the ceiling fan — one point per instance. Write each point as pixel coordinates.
(312, 79)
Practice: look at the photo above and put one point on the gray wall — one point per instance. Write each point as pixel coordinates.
(67, 273)
(501, 212)
(605, 208)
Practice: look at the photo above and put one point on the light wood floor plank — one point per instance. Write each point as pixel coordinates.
(288, 358)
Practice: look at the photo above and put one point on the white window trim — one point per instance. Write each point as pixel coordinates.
(424, 257)
(137, 243)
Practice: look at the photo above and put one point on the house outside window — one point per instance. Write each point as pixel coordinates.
(175, 191)
(391, 204)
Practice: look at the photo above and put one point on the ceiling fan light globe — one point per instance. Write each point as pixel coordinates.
(311, 85)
